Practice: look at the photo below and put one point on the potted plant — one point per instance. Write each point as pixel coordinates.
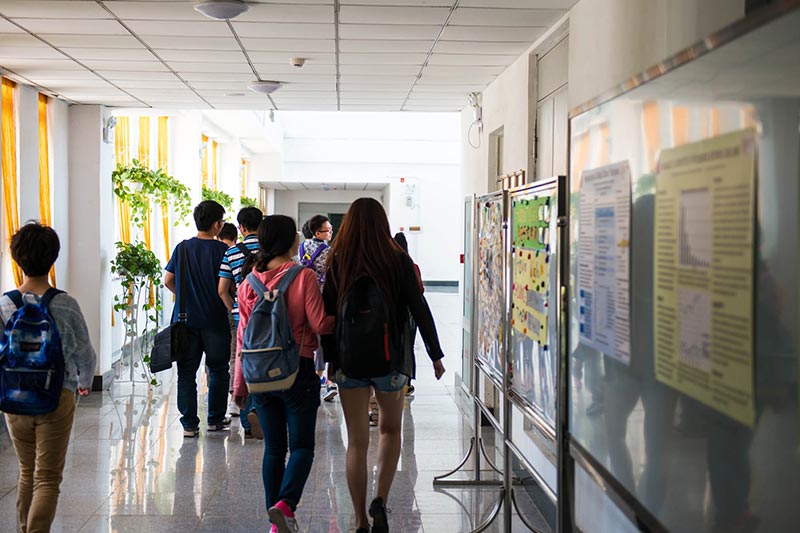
(139, 273)
(245, 201)
(140, 187)
(221, 197)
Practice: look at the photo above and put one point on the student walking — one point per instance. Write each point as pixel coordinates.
(231, 275)
(41, 440)
(371, 286)
(292, 411)
(194, 266)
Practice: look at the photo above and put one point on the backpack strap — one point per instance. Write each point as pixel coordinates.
(48, 296)
(256, 284)
(243, 248)
(321, 248)
(16, 297)
(288, 277)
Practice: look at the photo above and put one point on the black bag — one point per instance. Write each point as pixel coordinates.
(172, 343)
(364, 331)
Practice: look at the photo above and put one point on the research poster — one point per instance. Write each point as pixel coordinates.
(604, 260)
(534, 219)
(490, 285)
(704, 268)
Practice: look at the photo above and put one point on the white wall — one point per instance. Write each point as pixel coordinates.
(286, 202)
(59, 175)
(611, 40)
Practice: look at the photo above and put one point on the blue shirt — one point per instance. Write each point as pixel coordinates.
(231, 267)
(204, 307)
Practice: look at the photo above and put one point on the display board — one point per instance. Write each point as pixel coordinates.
(490, 288)
(698, 429)
(468, 291)
(533, 356)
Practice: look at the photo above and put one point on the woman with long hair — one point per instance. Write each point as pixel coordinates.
(371, 287)
(293, 411)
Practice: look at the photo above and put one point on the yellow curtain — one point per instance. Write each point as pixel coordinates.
(122, 156)
(45, 209)
(8, 140)
(204, 162)
(214, 183)
(244, 173)
(163, 164)
(144, 159)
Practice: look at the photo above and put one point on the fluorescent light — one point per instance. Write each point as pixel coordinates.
(221, 9)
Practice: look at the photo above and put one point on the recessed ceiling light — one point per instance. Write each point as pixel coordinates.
(221, 9)
(264, 87)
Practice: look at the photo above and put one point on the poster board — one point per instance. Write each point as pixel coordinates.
(533, 355)
(490, 300)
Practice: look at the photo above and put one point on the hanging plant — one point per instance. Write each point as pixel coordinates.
(248, 202)
(222, 198)
(141, 187)
(139, 273)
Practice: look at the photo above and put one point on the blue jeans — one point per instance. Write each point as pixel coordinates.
(248, 406)
(216, 344)
(294, 410)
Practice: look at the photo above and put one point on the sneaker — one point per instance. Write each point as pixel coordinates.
(255, 427)
(378, 511)
(248, 433)
(233, 409)
(410, 391)
(226, 422)
(190, 433)
(279, 516)
(330, 393)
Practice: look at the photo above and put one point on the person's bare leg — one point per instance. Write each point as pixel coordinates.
(353, 403)
(390, 426)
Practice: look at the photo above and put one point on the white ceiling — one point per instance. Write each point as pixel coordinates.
(380, 55)
(306, 186)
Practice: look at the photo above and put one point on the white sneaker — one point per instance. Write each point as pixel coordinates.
(233, 409)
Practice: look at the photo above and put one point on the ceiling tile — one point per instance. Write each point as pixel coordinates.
(38, 75)
(91, 41)
(382, 59)
(393, 93)
(227, 85)
(152, 66)
(471, 59)
(357, 79)
(114, 54)
(218, 68)
(19, 39)
(284, 30)
(124, 75)
(370, 108)
(479, 33)
(432, 109)
(270, 71)
(479, 48)
(162, 10)
(301, 87)
(423, 87)
(377, 46)
(366, 88)
(52, 9)
(519, 4)
(41, 64)
(287, 13)
(414, 3)
(476, 71)
(67, 85)
(172, 42)
(207, 28)
(505, 17)
(306, 107)
(73, 26)
(392, 15)
(7, 27)
(289, 45)
(282, 58)
(377, 31)
(210, 56)
(147, 83)
(29, 52)
(215, 77)
(380, 70)
(308, 78)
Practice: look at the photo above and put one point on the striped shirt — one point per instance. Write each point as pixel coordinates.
(231, 267)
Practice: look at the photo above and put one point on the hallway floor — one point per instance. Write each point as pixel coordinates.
(130, 469)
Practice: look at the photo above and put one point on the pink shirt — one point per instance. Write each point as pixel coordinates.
(306, 313)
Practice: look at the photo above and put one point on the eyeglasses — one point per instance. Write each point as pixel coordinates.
(325, 230)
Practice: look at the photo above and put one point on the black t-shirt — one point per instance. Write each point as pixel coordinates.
(204, 307)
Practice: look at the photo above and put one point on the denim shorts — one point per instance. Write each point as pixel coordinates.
(389, 383)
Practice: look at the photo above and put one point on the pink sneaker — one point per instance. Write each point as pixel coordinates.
(282, 518)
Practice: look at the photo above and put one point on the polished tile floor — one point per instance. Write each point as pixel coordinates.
(129, 469)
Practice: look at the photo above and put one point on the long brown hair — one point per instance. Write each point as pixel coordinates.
(364, 245)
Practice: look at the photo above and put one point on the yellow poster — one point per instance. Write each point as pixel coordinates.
(704, 265)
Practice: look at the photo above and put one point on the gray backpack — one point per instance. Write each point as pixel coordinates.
(270, 355)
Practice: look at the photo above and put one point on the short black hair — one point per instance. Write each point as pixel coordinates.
(35, 248)
(207, 213)
(315, 223)
(249, 218)
(307, 232)
(229, 232)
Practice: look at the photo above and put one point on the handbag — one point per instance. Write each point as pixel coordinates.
(172, 343)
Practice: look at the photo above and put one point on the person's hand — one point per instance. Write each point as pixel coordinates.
(83, 392)
(438, 369)
(239, 401)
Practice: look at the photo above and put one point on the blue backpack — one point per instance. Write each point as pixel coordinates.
(31, 358)
(270, 355)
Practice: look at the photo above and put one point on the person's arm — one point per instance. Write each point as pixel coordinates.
(422, 315)
(320, 323)
(245, 308)
(84, 354)
(169, 282)
(224, 289)
(330, 297)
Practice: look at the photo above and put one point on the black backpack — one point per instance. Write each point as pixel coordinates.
(365, 332)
